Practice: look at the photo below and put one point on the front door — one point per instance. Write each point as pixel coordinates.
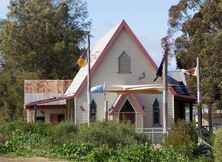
(127, 113)
(56, 118)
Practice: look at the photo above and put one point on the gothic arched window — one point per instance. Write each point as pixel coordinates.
(93, 107)
(124, 63)
(156, 113)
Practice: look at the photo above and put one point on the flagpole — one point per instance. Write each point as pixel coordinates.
(165, 85)
(199, 101)
(88, 78)
(105, 103)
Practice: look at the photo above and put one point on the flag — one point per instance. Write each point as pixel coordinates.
(98, 89)
(82, 59)
(159, 71)
(81, 62)
(192, 71)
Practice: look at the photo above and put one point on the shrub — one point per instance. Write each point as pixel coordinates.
(203, 159)
(72, 151)
(147, 153)
(107, 133)
(7, 129)
(102, 153)
(183, 138)
(138, 153)
(28, 143)
(3, 148)
(217, 149)
(64, 132)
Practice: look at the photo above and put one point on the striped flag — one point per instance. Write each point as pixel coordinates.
(189, 72)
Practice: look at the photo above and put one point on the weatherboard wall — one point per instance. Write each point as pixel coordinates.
(107, 71)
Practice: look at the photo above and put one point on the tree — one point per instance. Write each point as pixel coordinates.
(38, 40)
(199, 23)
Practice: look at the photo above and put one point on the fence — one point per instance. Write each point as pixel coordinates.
(154, 134)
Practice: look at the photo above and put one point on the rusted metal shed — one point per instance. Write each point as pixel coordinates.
(52, 112)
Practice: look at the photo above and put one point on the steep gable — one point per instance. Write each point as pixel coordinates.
(98, 53)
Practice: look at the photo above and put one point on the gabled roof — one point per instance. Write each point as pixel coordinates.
(121, 98)
(100, 50)
(98, 53)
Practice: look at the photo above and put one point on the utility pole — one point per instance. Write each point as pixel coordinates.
(165, 85)
(199, 101)
(88, 78)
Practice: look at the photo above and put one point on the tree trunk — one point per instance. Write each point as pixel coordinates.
(210, 118)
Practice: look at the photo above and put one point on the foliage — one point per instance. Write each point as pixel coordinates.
(136, 152)
(64, 133)
(73, 151)
(183, 138)
(108, 133)
(108, 144)
(38, 40)
(7, 129)
(203, 159)
(217, 149)
(199, 24)
(28, 143)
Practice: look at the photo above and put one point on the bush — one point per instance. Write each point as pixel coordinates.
(136, 152)
(72, 151)
(104, 141)
(183, 138)
(3, 148)
(108, 133)
(217, 149)
(102, 153)
(28, 143)
(7, 129)
(203, 159)
(64, 132)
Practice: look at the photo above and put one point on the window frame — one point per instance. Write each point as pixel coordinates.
(119, 64)
(156, 109)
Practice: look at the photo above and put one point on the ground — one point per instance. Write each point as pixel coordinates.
(6, 158)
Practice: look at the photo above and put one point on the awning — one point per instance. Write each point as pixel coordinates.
(138, 91)
(142, 89)
(53, 99)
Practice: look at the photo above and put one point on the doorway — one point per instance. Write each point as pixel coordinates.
(56, 118)
(127, 113)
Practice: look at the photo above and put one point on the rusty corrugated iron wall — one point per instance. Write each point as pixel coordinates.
(43, 89)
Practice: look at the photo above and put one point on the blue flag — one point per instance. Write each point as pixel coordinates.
(98, 89)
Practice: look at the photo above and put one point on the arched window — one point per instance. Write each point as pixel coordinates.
(156, 113)
(124, 63)
(93, 111)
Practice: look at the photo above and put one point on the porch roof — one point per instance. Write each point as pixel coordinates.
(121, 98)
(53, 99)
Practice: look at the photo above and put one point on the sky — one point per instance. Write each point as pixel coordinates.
(147, 18)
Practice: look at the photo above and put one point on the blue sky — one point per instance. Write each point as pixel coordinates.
(147, 18)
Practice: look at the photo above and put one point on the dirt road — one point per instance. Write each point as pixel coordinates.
(6, 158)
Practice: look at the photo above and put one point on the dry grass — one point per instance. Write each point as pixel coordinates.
(6, 158)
